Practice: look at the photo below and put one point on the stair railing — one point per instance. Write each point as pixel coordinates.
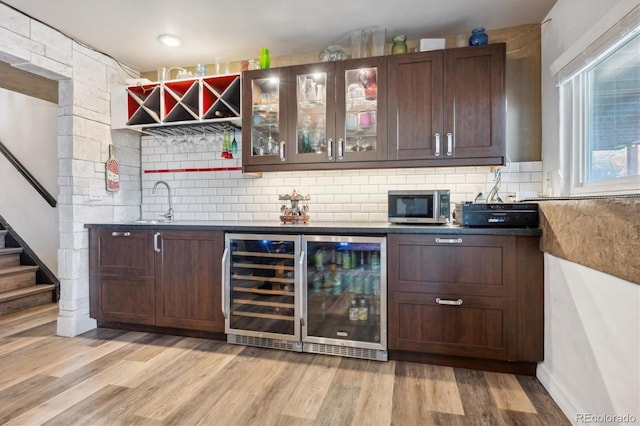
(27, 175)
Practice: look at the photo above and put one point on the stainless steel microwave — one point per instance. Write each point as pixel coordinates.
(419, 206)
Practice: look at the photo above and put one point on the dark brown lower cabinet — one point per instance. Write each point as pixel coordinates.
(477, 296)
(188, 280)
(162, 278)
(121, 276)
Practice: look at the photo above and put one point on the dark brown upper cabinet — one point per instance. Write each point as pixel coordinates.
(448, 106)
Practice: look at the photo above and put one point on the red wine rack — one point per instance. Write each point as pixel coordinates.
(196, 100)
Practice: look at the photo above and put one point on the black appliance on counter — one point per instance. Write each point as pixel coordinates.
(497, 215)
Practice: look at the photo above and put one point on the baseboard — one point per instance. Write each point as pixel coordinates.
(509, 367)
(212, 335)
(559, 393)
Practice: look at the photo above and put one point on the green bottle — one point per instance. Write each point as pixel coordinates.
(265, 60)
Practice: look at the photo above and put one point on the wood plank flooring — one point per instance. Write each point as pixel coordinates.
(113, 377)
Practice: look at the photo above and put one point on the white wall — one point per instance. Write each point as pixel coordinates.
(571, 24)
(592, 327)
(592, 341)
(35, 146)
(342, 196)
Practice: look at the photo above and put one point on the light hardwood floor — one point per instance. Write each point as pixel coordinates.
(112, 377)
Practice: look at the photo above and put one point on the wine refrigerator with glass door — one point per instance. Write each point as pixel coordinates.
(313, 293)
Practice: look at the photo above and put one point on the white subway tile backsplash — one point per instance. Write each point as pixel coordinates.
(531, 166)
(350, 195)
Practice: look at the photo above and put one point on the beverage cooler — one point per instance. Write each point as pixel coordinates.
(261, 299)
(319, 294)
(345, 296)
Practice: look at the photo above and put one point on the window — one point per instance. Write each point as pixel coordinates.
(600, 120)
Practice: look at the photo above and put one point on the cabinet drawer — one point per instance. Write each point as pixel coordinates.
(120, 299)
(477, 327)
(121, 252)
(462, 264)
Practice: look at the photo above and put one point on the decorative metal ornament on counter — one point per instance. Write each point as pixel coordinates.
(291, 209)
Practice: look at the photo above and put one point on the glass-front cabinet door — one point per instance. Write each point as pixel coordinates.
(318, 113)
(313, 113)
(264, 101)
(345, 291)
(361, 122)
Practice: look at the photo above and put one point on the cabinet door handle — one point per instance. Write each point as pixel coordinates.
(449, 144)
(330, 149)
(449, 302)
(282, 153)
(437, 137)
(449, 240)
(340, 149)
(300, 290)
(120, 234)
(156, 246)
(223, 297)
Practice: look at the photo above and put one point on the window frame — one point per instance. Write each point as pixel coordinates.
(573, 97)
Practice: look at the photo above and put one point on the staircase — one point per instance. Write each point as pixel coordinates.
(19, 287)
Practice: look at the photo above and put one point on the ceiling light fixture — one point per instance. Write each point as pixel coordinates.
(169, 40)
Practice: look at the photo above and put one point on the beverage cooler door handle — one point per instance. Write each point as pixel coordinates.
(300, 288)
(223, 297)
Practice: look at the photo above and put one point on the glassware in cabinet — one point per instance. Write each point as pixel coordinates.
(311, 113)
(361, 98)
(313, 128)
(264, 109)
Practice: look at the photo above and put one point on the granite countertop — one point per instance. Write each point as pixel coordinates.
(317, 227)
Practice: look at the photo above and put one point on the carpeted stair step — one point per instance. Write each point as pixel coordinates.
(14, 277)
(10, 256)
(27, 297)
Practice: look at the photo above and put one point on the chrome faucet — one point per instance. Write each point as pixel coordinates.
(169, 214)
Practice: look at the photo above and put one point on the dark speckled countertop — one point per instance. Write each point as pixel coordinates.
(338, 228)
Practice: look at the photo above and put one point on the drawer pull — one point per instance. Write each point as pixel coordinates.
(449, 302)
(120, 234)
(449, 240)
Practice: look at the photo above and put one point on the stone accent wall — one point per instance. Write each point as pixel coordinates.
(84, 134)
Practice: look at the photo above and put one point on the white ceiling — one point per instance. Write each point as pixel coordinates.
(234, 30)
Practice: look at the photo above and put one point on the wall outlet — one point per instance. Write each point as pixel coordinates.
(95, 194)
